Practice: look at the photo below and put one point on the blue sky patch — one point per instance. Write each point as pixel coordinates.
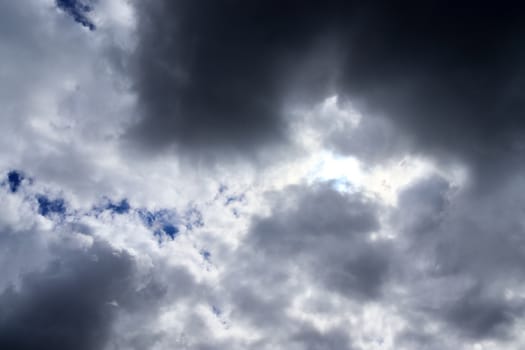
(121, 207)
(160, 221)
(158, 217)
(170, 230)
(14, 179)
(115, 207)
(147, 217)
(78, 10)
(48, 206)
(205, 254)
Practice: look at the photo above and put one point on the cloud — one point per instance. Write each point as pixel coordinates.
(69, 303)
(311, 339)
(422, 206)
(328, 233)
(221, 74)
(465, 259)
(65, 285)
(103, 245)
(216, 75)
(480, 316)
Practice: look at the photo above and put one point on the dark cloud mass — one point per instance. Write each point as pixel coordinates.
(70, 304)
(219, 73)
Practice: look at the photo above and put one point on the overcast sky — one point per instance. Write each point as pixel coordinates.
(250, 174)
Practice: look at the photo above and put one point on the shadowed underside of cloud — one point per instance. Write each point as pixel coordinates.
(220, 73)
(69, 304)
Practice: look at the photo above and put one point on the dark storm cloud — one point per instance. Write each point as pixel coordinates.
(218, 73)
(449, 74)
(70, 304)
(215, 73)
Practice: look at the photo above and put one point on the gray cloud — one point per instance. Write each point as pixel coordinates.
(312, 339)
(464, 257)
(313, 237)
(374, 139)
(71, 303)
(423, 206)
(328, 234)
(480, 316)
(217, 75)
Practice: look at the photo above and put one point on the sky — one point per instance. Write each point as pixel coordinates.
(260, 174)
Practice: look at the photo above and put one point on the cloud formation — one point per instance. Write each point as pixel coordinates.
(329, 234)
(386, 214)
(70, 304)
(221, 74)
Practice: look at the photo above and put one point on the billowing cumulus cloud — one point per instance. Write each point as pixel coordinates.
(261, 175)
